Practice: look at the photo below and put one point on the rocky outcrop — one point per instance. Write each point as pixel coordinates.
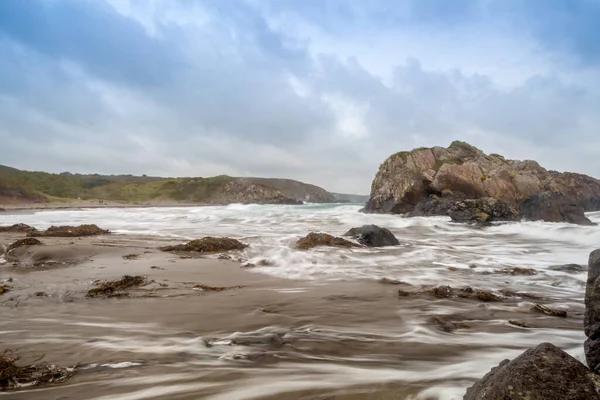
(70, 231)
(591, 321)
(17, 228)
(244, 191)
(406, 181)
(553, 207)
(299, 191)
(544, 372)
(373, 236)
(208, 245)
(482, 211)
(315, 239)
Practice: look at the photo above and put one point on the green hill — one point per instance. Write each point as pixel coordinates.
(17, 186)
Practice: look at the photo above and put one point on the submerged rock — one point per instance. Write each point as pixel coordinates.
(482, 211)
(70, 231)
(544, 372)
(591, 322)
(516, 271)
(553, 312)
(571, 268)
(315, 239)
(117, 287)
(17, 228)
(14, 376)
(373, 236)
(208, 245)
(553, 207)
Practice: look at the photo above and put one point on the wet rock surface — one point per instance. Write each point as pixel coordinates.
(591, 322)
(208, 245)
(544, 372)
(373, 236)
(23, 242)
(315, 239)
(553, 207)
(70, 231)
(482, 211)
(117, 288)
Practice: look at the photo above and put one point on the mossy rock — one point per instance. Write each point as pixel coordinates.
(315, 239)
(208, 245)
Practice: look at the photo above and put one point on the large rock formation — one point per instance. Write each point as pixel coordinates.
(544, 372)
(553, 207)
(406, 180)
(591, 322)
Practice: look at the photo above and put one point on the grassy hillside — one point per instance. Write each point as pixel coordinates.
(42, 186)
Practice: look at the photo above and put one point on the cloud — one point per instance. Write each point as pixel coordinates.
(321, 91)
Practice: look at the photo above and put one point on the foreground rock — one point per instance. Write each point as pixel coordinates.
(14, 376)
(553, 207)
(406, 181)
(545, 372)
(23, 242)
(591, 322)
(315, 239)
(70, 231)
(17, 228)
(482, 211)
(373, 236)
(208, 245)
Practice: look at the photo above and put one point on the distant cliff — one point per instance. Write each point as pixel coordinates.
(408, 178)
(17, 186)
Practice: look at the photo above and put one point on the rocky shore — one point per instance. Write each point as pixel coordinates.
(470, 186)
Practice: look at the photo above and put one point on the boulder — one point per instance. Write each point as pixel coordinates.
(482, 211)
(591, 321)
(433, 205)
(373, 236)
(23, 242)
(208, 245)
(544, 372)
(315, 239)
(406, 181)
(553, 207)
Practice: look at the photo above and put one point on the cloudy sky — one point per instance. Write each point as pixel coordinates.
(317, 90)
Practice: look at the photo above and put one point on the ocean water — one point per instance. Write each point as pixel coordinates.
(367, 338)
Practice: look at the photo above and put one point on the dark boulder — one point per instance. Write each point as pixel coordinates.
(570, 268)
(431, 206)
(482, 211)
(591, 322)
(553, 207)
(544, 372)
(373, 236)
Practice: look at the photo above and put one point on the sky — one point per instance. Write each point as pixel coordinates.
(322, 91)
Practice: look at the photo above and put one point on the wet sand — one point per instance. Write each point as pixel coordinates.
(269, 339)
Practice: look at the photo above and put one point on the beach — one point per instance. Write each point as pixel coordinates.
(272, 322)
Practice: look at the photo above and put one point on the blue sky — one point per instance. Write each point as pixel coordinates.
(316, 90)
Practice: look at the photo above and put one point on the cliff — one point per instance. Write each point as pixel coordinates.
(462, 171)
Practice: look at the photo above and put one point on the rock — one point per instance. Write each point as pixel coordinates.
(482, 211)
(544, 372)
(553, 207)
(516, 271)
(69, 231)
(571, 268)
(117, 287)
(553, 312)
(373, 236)
(17, 228)
(520, 324)
(591, 321)
(315, 239)
(208, 245)
(407, 181)
(23, 242)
